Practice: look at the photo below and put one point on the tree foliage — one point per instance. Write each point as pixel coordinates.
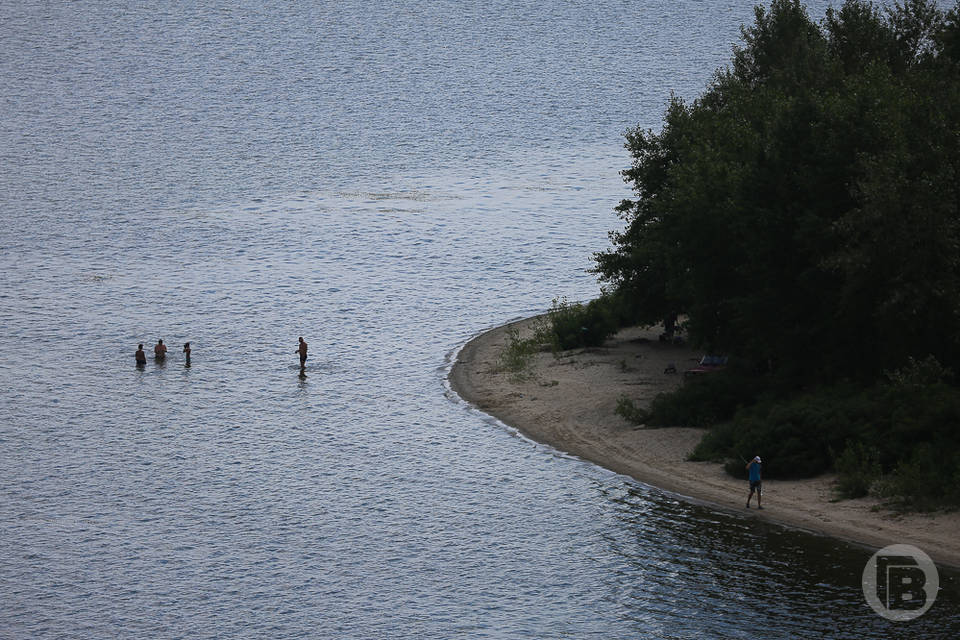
(803, 211)
(803, 216)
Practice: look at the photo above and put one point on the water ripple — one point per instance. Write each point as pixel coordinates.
(383, 183)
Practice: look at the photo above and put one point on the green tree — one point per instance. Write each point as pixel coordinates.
(803, 211)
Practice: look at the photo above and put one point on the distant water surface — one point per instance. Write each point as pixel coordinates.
(384, 180)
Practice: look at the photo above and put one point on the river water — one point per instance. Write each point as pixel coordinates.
(385, 181)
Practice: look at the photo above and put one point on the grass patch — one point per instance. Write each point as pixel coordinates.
(630, 411)
(564, 327)
(517, 355)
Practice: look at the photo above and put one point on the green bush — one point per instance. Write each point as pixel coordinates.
(705, 400)
(903, 439)
(920, 373)
(518, 353)
(795, 436)
(566, 326)
(576, 325)
(930, 478)
(858, 468)
(899, 438)
(791, 444)
(630, 412)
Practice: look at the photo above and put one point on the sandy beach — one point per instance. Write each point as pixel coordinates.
(569, 403)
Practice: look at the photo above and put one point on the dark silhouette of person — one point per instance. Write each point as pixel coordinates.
(160, 350)
(140, 355)
(186, 351)
(302, 350)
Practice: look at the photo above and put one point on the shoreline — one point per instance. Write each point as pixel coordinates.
(569, 403)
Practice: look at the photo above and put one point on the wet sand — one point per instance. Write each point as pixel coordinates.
(569, 403)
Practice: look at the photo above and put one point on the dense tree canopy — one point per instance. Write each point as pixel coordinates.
(804, 212)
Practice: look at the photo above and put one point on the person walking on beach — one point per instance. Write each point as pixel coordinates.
(140, 355)
(302, 350)
(160, 350)
(756, 481)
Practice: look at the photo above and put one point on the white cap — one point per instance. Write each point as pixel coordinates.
(757, 459)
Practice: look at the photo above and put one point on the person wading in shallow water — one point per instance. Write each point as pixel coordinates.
(160, 350)
(302, 350)
(140, 355)
(186, 351)
(756, 481)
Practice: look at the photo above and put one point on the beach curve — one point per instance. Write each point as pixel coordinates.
(569, 403)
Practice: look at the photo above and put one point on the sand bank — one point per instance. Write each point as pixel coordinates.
(569, 404)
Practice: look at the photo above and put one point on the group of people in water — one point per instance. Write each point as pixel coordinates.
(160, 353)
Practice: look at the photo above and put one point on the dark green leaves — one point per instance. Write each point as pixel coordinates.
(804, 210)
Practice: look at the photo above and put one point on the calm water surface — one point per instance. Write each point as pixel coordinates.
(386, 182)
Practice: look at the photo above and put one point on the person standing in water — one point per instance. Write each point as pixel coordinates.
(302, 350)
(160, 350)
(756, 481)
(186, 351)
(140, 355)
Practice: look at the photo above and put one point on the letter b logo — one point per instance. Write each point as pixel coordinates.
(900, 582)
